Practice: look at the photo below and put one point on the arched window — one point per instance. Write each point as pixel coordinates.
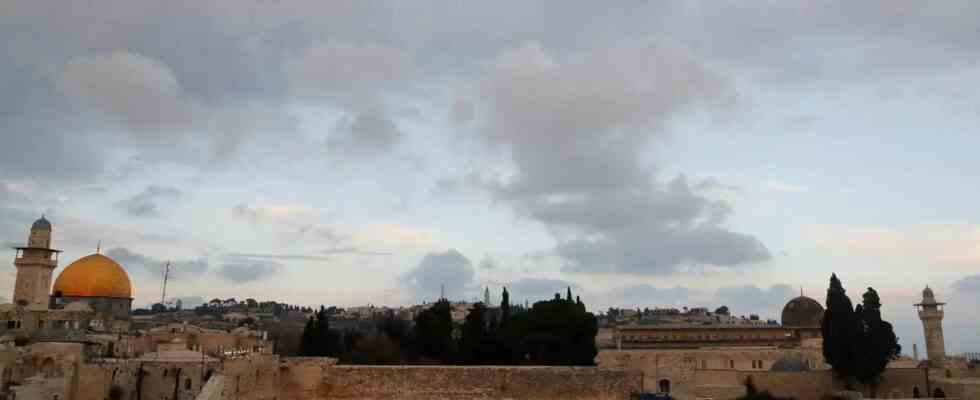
(664, 386)
(939, 393)
(915, 392)
(187, 384)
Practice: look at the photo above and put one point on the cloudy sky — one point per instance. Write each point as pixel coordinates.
(665, 153)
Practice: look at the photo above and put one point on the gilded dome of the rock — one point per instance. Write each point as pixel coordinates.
(94, 276)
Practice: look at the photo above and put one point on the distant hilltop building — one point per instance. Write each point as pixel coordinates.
(93, 292)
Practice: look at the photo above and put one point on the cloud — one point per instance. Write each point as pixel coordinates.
(450, 270)
(368, 133)
(270, 212)
(247, 270)
(346, 72)
(180, 269)
(488, 263)
(392, 235)
(354, 77)
(968, 285)
(751, 299)
(594, 192)
(71, 231)
(149, 202)
(132, 91)
(537, 289)
(945, 245)
(304, 257)
(648, 296)
(355, 251)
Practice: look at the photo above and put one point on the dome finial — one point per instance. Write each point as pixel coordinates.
(98, 247)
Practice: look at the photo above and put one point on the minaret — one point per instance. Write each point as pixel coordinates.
(931, 314)
(35, 263)
(486, 296)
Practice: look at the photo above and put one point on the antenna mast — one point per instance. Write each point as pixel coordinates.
(166, 275)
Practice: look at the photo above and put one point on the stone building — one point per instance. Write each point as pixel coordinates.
(98, 281)
(931, 314)
(800, 322)
(707, 364)
(93, 293)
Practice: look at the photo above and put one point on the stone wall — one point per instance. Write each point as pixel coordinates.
(680, 367)
(816, 385)
(472, 382)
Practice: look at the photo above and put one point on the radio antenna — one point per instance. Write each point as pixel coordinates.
(166, 276)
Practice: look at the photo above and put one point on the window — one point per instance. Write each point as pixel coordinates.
(731, 364)
(187, 384)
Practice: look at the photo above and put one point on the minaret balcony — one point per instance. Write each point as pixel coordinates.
(28, 255)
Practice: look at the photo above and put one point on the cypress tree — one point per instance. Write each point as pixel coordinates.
(504, 307)
(879, 345)
(841, 332)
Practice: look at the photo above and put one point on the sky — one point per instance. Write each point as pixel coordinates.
(651, 154)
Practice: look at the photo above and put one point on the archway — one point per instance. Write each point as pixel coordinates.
(664, 386)
(915, 392)
(939, 393)
(48, 369)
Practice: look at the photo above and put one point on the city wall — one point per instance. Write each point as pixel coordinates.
(816, 385)
(320, 378)
(422, 382)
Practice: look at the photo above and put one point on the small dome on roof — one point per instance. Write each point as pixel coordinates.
(790, 363)
(41, 224)
(802, 312)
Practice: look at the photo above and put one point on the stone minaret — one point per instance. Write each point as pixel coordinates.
(931, 314)
(35, 263)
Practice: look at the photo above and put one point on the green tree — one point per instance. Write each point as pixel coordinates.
(317, 339)
(434, 330)
(475, 344)
(879, 345)
(375, 350)
(504, 307)
(553, 332)
(841, 332)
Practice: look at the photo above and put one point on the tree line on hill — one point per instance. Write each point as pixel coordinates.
(559, 331)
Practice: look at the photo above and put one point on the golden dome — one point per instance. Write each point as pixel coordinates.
(94, 276)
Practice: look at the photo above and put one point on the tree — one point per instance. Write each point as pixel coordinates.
(434, 330)
(374, 350)
(554, 332)
(841, 332)
(723, 310)
(504, 307)
(475, 344)
(251, 303)
(317, 339)
(879, 345)
(158, 308)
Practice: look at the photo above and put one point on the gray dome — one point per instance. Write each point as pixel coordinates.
(42, 224)
(790, 363)
(802, 312)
